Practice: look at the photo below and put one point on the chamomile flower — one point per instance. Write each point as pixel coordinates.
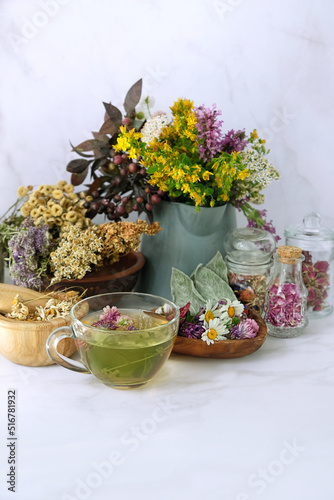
(216, 330)
(232, 308)
(211, 311)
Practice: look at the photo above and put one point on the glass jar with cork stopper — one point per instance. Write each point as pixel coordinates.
(317, 244)
(286, 296)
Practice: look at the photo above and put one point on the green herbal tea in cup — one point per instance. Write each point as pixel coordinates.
(120, 339)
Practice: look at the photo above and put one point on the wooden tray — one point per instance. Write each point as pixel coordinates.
(223, 349)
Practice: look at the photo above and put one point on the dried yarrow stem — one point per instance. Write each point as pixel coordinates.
(55, 205)
(79, 250)
(119, 238)
(76, 253)
(58, 306)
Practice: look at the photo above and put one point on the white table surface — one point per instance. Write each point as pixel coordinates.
(258, 427)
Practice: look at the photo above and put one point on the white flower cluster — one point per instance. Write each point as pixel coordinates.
(216, 317)
(153, 127)
(261, 174)
(77, 251)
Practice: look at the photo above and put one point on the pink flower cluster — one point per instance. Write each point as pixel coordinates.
(246, 329)
(285, 305)
(112, 319)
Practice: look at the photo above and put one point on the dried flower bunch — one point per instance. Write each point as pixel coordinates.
(78, 251)
(53, 236)
(58, 306)
(316, 278)
(122, 237)
(55, 205)
(136, 161)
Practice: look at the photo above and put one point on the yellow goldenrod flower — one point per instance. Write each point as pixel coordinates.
(206, 175)
(243, 174)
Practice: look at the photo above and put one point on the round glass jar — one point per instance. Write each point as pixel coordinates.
(285, 301)
(249, 259)
(317, 244)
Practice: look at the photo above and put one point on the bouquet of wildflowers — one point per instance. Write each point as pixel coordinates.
(193, 162)
(187, 158)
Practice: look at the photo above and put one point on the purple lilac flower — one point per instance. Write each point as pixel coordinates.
(246, 329)
(29, 249)
(234, 141)
(209, 132)
(285, 305)
(267, 226)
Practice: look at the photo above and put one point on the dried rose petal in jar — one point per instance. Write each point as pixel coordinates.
(285, 302)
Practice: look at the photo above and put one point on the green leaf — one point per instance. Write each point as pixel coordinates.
(183, 291)
(132, 98)
(210, 286)
(218, 266)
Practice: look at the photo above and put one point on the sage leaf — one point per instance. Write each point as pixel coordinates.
(218, 266)
(211, 287)
(183, 291)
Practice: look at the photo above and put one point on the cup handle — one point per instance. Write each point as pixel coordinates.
(51, 348)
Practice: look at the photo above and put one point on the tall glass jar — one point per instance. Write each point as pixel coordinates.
(249, 260)
(317, 244)
(285, 301)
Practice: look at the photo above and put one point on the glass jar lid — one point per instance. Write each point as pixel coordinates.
(250, 245)
(311, 230)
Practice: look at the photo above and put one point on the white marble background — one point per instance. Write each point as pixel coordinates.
(268, 65)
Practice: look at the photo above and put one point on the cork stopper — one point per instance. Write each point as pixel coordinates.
(288, 254)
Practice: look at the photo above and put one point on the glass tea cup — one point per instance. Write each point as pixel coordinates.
(125, 357)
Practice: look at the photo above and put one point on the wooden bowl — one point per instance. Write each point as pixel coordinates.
(223, 349)
(23, 342)
(120, 276)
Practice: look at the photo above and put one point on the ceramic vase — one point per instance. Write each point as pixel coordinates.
(187, 238)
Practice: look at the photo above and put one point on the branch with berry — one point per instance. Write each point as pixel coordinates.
(119, 185)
